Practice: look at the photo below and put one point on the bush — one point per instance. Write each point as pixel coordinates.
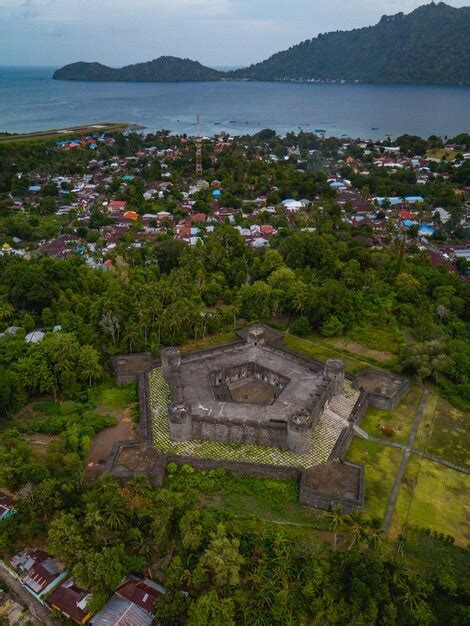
(332, 327)
(301, 327)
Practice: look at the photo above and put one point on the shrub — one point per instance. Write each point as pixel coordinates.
(301, 327)
(332, 327)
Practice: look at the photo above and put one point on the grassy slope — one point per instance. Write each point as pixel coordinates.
(443, 431)
(381, 464)
(400, 419)
(436, 497)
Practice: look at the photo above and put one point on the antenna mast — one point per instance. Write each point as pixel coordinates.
(198, 150)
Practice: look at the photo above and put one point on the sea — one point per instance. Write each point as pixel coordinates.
(30, 101)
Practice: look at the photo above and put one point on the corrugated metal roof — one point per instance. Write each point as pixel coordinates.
(120, 612)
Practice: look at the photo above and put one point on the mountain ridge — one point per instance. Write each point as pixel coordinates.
(430, 45)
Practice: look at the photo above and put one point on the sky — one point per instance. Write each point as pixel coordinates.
(214, 32)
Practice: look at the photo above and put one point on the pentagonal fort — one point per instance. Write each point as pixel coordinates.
(248, 392)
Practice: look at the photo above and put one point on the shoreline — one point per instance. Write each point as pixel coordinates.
(65, 133)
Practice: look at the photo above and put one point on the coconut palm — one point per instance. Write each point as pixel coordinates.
(356, 526)
(337, 521)
(131, 335)
(115, 515)
(374, 532)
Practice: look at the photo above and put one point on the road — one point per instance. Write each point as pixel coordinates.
(39, 612)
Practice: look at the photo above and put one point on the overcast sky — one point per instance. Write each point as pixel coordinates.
(214, 32)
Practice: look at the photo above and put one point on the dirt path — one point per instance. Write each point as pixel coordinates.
(40, 613)
(103, 442)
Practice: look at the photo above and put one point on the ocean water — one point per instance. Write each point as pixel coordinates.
(30, 100)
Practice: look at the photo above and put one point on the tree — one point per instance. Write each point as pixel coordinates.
(301, 327)
(209, 609)
(171, 609)
(332, 327)
(110, 325)
(222, 559)
(88, 364)
(255, 301)
(104, 570)
(336, 524)
(65, 538)
(427, 360)
(356, 525)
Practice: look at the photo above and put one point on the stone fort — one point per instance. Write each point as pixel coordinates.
(250, 392)
(253, 407)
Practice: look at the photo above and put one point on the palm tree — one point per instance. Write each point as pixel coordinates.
(336, 523)
(115, 515)
(410, 591)
(131, 335)
(6, 311)
(374, 532)
(356, 526)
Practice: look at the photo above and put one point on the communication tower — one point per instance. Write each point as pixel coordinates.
(198, 151)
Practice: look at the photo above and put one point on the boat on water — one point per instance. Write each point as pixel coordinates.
(320, 130)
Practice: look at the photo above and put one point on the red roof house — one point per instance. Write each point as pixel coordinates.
(199, 217)
(71, 601)
(117, 204)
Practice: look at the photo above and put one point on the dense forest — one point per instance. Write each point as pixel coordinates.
(428, 46)
(163, 69)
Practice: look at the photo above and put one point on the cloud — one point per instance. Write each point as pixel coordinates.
(25, 9)
(217, 32)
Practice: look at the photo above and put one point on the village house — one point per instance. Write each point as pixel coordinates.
(6, 507)
(71, 601)
(133, 604)
(37, 571)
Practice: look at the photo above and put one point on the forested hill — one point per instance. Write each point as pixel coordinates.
(431, 45)
(163, 69)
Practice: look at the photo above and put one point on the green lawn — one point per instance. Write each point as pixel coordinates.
(444, 430)
(110, 397)
(436, 497)
(381, 465)
(208, 341)
(377, 339)
(321, 352)
(267, 499)
(440, 154)
(400, 419)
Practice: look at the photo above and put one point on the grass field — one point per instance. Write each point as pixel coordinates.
(111, 398)
(440, 154)
(383, 343)
(436, 497)
(208, 341)
(266, 499)
(317, 350)
(400, 419)
(381, 464)
(443, 431)
(57, 134)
